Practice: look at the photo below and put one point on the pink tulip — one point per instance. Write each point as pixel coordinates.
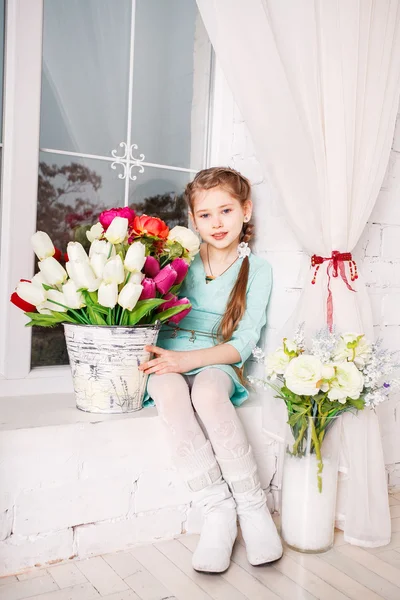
(149, 289)
(151, 267)
(174, 301)
(165, 279)
(181, 267)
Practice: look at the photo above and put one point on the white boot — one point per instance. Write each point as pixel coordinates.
(263, 544)
(203, 477)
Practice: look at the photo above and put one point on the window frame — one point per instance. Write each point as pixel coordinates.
(21, 132)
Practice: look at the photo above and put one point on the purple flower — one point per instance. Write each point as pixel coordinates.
(151, 267)
(181, 267)
(174, 301)
(165, 279)
(149, 289)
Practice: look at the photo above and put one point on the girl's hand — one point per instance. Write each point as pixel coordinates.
(167, 361)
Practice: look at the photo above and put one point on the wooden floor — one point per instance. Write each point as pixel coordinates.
(163, 571)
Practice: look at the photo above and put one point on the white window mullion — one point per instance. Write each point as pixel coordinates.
(130, 97)
(22, 85)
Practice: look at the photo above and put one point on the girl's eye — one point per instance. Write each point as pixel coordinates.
(227, 210)
(204, 215)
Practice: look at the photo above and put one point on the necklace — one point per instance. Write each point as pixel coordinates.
(212, 276)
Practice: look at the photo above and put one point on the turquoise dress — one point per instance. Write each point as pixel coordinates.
(209, 300)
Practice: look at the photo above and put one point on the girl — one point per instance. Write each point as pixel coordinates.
(199, 366)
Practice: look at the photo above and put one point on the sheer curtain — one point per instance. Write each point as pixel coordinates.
(318, 85)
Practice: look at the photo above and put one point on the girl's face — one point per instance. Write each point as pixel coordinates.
(219, 217)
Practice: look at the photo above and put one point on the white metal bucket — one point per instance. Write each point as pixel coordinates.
(104, 362)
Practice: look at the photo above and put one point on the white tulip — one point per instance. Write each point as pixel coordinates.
(39, 279)
(54, 299)
(136, 277)
(82, 274)
(73, 298)
(76, 251)
(186, 238)
(116, 232)
(135, 257)
(95, 232)
(108, 294)
(101, 247)
(53, 272)
(97, 262)
(129, 295)
(114, 270)
(31, 293)
(43, 247)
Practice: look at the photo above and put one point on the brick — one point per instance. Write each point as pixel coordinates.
(71, 504)
(18, 553)
(391, 242)
(116, 535)
(391, 309)
(250, 167)
(160, 489)
(387, 208)
(369, 243)
(38, 456)
(282, 304)
(376, 297)
(126, 448)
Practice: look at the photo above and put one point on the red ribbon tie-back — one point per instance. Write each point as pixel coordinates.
(335, 268)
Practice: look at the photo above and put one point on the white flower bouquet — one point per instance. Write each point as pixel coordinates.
(130, 276)
(336, 374)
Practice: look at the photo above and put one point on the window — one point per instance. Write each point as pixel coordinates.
(124, 91)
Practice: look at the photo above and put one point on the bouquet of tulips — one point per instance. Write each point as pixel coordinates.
(131, 274)
(336, 374)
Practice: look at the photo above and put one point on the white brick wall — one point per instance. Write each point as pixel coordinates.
(378, 252)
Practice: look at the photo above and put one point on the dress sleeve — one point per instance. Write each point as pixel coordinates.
(247, 334)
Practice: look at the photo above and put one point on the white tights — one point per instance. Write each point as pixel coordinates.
(177, 397)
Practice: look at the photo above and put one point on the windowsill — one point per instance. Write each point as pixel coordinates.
(25, 412)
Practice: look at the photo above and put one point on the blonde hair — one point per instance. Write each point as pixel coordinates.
(239, 188)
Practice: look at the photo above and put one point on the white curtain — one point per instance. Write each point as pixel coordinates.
(318, 83)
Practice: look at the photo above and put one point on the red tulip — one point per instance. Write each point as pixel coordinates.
(165, 279)
(107, 216)
(149, 289)
(22, 304)
(57, 254)
(181, 267)
(151, 267)
(154, 226)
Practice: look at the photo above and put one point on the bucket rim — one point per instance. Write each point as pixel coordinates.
(156, 326)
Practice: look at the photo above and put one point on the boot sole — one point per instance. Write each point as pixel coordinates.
(268, 562)
(210, 572)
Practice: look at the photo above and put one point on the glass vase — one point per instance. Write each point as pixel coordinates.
(309, 483)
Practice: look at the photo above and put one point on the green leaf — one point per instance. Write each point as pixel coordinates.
(39, 320)
(142, 308)
(170, 312)
(95, 317)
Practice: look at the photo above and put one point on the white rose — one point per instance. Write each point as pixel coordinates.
(303, 375)
(276, 363)
(348, 382)
(361, 352)
(328, 373)
(186, 238)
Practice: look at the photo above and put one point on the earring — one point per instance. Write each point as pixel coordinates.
(246, 219)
